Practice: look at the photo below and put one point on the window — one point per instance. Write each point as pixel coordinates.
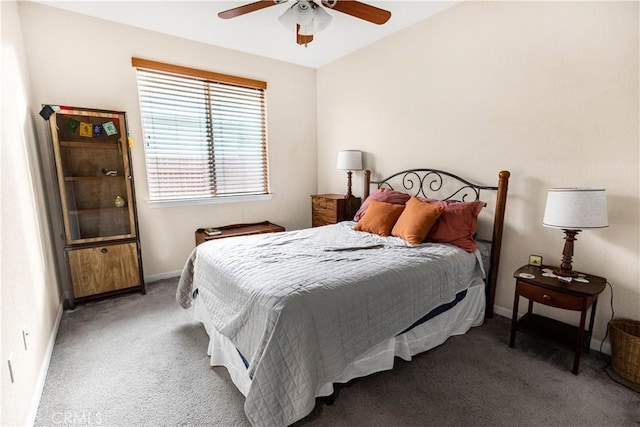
(204, 133)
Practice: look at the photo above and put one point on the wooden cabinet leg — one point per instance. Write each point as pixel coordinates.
(591, 320)
(579, 347)
(514, 319)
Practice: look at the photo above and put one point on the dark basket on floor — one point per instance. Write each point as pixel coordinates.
(625, 348)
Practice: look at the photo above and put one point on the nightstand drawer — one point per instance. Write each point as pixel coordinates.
(325, 209)
(323, 203)
(550, 297)
(332, 208)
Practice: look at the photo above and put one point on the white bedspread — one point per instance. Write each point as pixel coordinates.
(301, 305)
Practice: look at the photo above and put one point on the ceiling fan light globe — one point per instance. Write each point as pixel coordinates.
(310, 16)
(287, 20)
(306, 30)
(300, 13)
(321, 19)
(305, 13)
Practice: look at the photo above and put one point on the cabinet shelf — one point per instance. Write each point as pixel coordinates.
(90, 178)
(98, 210)
(553, 330)
(103, 145)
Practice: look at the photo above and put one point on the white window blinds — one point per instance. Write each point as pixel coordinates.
(202, 138)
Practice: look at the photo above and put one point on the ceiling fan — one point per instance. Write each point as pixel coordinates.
(308, 16)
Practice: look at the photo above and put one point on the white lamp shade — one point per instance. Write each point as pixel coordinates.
(576, 208)
(349, 160)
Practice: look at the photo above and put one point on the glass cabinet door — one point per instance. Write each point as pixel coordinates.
(92, 164)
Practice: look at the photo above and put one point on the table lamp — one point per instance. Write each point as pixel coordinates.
(572, 210)
(349, 160)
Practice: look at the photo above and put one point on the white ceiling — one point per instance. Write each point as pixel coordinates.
(260, 32)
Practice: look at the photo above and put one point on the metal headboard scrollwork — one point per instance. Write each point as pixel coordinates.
(426, 183)
(418, 181)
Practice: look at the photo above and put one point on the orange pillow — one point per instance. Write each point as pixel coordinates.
(416, 220)
(379, 218)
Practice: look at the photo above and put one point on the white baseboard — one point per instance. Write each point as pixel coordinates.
(504, 312)
(44, 368)
(593, 345)
(168, 275)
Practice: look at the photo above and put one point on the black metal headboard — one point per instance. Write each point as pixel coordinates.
(427, 182)
(438, 184)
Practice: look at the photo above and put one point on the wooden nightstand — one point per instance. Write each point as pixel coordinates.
(239, 230)
(332, 208)
(554, 292)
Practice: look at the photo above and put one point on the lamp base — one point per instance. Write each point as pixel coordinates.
(566, 269)
(349, 193)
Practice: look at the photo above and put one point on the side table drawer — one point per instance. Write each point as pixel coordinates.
(323, 212)
(550, 297)
(332, 208)
(322, 203)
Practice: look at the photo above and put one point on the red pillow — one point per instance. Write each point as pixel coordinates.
(382, 195)
(457, 224)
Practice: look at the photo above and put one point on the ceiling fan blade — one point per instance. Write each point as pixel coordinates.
(247, 8)
(302, 39)
(360, 10)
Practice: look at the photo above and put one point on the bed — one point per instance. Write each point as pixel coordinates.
(291, 314)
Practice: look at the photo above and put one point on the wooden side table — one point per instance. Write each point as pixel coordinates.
(551, 291)
(332, 208)
(239, 230)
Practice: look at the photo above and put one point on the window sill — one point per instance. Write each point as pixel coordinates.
(216, 200)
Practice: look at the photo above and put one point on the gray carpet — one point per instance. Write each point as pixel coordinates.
(141, 360)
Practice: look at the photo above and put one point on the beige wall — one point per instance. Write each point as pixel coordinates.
(475, 89)
(546, 90)
(82, 61)
(29, 299)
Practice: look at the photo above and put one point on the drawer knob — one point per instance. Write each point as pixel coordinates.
(104, 251)
(546, 297)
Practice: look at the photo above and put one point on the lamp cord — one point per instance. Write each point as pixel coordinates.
(606, 334)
